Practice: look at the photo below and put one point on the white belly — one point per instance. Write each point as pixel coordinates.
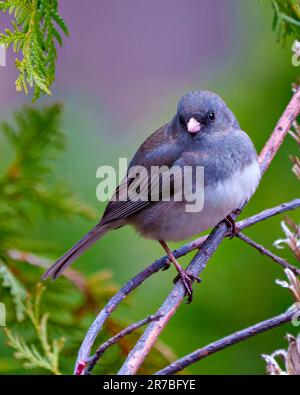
(170, 221)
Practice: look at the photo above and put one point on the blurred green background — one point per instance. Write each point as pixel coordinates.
(113, 100)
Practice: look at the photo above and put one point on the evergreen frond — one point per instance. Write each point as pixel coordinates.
(28, 353)
(48, 355)
(286, 21)
(37, 139)
(34, 33)
(16, 289)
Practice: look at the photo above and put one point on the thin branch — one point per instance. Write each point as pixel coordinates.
(136, 357)
(39, 261)
(159, 264)
(266, 214)
(281, 130)
(126, 331)
(268, 253)
(230, 340)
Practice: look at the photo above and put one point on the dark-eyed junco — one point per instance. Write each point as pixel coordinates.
(204, 132)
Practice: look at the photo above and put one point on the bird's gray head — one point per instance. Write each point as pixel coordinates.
(204, 112)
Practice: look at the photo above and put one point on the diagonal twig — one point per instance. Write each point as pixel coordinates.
(113, 340)
(230, 340)
(172, 302)
(268, 253)
(268, 213)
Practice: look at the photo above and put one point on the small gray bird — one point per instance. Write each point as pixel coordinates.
(204, 132)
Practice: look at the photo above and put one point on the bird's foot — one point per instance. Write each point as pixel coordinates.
(187, 281)
(186, 278)
(237, 211)
(230, 222)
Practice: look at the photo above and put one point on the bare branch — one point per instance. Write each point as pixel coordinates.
(266, 214)
(230, 340)
(39, 261)
(282, 128)
(268, 253)
(126, 331)
(199, 262)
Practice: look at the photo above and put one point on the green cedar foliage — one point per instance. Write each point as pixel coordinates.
(35, 32)
(286, 21)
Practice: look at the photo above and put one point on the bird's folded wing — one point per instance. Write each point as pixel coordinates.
(133, 195)
(160, 149)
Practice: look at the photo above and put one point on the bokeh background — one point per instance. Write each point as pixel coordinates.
(119, 75)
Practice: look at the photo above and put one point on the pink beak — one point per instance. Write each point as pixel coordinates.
(193, 126)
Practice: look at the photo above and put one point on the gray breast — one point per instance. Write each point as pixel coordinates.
(224, 155)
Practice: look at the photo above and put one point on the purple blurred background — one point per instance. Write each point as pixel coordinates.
(130, 58)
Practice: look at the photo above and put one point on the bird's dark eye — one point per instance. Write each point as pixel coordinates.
(182, 120)
(211, 116)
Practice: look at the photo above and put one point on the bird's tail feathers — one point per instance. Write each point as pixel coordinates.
(73, 253)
